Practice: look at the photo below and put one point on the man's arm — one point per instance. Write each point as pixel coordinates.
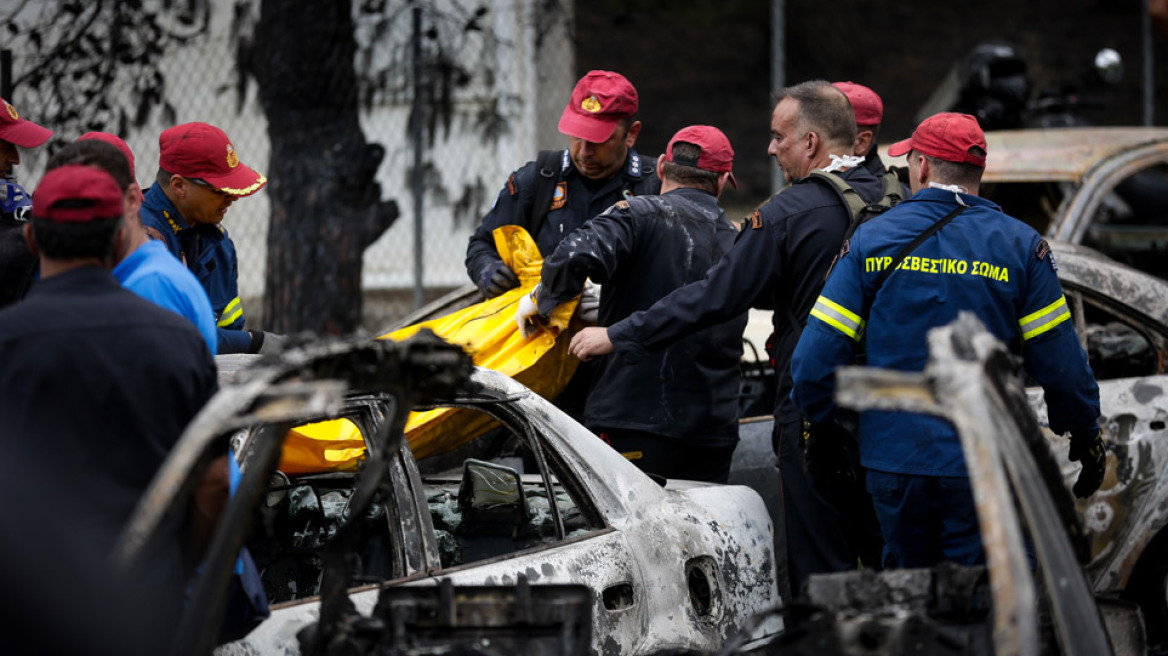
(594, 251)
(512, 207)
(828, 341)
(729, 288)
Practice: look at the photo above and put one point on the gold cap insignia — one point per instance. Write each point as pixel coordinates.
(232, 158)
(11, 111)
(590, 104)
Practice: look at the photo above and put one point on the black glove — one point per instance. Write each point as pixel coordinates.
(497, 279)
(265, 343)
(1090, 448)
(826, 454)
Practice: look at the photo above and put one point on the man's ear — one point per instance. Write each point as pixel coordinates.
(132, 198)
(631, 135)
(864, 140)
(923, 171)
(30, 239)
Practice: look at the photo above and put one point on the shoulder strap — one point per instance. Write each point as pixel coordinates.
(893, 192)
(904, 252)
(546, 168)
(848, 196)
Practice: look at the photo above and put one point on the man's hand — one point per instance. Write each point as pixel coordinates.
(588, 310)
(525, 315)
(1090, 448)
(590, 342)
(497, 279)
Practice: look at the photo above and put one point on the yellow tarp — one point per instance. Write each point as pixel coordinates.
(488, 332)
(334, 445)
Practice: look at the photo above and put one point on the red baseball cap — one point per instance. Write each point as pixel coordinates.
(77, 194)
(21, 131)
(599, 101)
(115, 141)
(716, 154)
(946, 136)
(868, 107)
(199, 150)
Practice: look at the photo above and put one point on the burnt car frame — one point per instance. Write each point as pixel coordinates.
(681, 566)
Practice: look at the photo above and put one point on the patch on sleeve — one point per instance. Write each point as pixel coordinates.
(560, 197)
(756, 220)
(1042, 251)
(512, 187)
(153, 233)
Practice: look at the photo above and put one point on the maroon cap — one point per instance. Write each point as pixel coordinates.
(947, 137)
(117, 142)
(716, 154)
(599, 101)
(20, 131)
(868, 107)
(77, 194)
(199, 150)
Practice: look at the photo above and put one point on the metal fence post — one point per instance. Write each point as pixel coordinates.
(419, 188)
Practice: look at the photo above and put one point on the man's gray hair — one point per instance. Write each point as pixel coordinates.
(823, 109)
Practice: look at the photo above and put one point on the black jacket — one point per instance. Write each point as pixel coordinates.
(779, 262)
(639, 251)
(576, 200)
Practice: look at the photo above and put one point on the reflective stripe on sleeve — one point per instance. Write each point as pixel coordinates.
(1039, 322)
(839, 317)
(233, 311)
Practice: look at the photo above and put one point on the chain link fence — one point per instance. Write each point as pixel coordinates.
(495, 77)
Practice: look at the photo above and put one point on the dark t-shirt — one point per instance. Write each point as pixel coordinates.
(96, 386)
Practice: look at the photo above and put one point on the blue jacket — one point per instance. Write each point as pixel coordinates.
(209, 254)
(983, 261)
(576, 200)
(153, 274)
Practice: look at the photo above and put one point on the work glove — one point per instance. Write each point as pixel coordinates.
(825, 454)
(265, 343)
(496, 279)
(1090, 448)
(588, 309)
(527, 313)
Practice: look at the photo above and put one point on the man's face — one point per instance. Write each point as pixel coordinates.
(600, 161)
(9, 157)
(201, 203)
(788, 144)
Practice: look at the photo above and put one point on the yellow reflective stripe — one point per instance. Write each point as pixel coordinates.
(233, 311)
(841, 318)
(1036, 323)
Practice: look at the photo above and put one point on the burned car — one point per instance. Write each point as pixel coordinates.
(668, 566)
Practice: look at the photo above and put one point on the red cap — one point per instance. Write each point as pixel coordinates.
(599, 101)
(716, 154)
(199, 150)
(115, 141)
(20, 131)
(91, 194)
(946, 136)
(868, 107)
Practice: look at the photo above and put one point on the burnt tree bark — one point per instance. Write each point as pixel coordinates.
(326, 208)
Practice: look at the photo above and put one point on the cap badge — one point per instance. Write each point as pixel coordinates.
(11, 111)
(590, 104)
(232, 158)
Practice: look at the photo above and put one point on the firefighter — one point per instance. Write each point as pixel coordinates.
(674, 413)
(199, 178)
(17, 264)
(779, 262)
(598, 168)
(973, 257)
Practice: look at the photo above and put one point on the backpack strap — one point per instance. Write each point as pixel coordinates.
(546, 170)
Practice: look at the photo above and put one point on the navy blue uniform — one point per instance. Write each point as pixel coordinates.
(779, 261)
(96, 386)
(209, 253)
(687, 393)
(983, 261)
(576, 200)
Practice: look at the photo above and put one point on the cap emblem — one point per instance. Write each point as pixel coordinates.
(232, 158)
(590, 104)
(11, 111)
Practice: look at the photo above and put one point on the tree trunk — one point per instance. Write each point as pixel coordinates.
(326, 206)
